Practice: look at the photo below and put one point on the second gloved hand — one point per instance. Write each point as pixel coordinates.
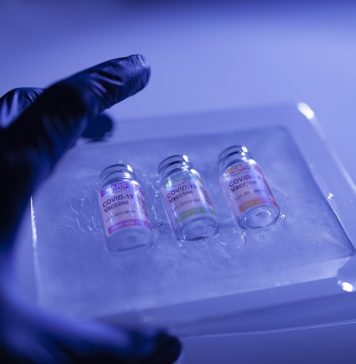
(36, 128)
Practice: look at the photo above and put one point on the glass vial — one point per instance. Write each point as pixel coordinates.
(123, 207)
(246, 188)
(186, 200)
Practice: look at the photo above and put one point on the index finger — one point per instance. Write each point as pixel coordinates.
(57, 118)
(108, 83)
(32, 145)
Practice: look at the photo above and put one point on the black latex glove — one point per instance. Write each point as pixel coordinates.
(36, 128)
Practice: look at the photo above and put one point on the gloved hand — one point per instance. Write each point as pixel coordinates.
(36, 128)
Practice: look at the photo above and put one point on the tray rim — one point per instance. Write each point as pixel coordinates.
(322, 163)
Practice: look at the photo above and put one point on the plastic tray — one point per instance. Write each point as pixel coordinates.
(307, 255)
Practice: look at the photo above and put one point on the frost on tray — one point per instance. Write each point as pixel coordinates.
(78, 275)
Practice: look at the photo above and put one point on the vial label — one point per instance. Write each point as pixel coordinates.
(185, 196)
(246, 187)
(123, 205)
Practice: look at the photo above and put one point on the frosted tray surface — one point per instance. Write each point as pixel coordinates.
(76, 273)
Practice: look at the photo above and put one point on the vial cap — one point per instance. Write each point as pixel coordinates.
(233, 154)
(116, 172)
(174, 162)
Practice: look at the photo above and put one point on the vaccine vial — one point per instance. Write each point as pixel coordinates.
(246, 189)
(123, 208)
(186, 200)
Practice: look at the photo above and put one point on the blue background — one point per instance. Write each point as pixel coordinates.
(206, 56)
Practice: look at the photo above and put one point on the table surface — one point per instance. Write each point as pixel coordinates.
(203, 58)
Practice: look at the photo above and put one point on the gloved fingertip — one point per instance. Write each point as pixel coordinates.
(168, 347)
(155, 346)
(145, 65)
(143, 59)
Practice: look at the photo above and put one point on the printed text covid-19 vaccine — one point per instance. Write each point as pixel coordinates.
(246, 188)
(123, 207)
(186, 199)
